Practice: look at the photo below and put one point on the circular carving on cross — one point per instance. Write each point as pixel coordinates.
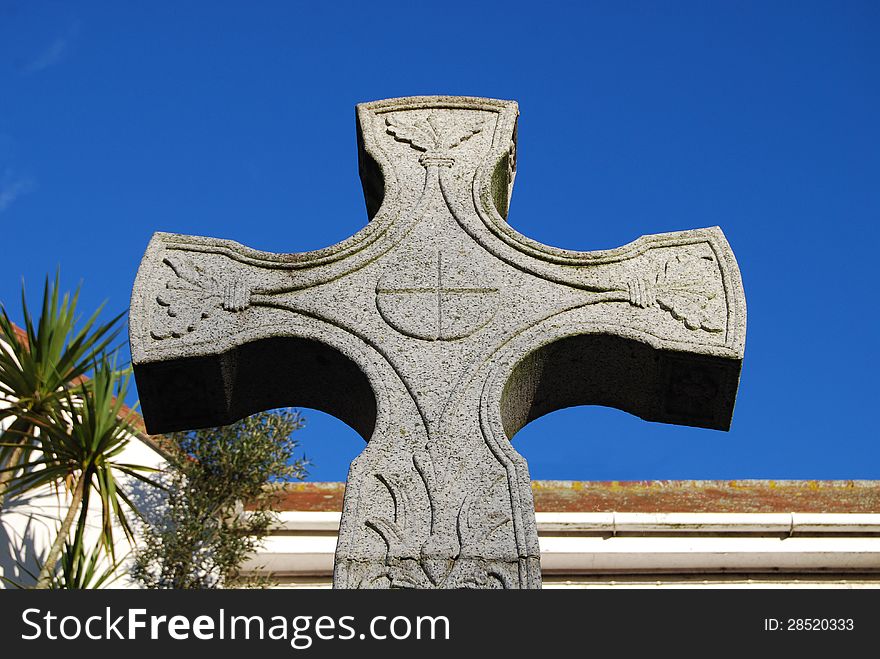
(428, 295)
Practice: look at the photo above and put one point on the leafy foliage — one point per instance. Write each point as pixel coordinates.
(202, 534)
(36, 371)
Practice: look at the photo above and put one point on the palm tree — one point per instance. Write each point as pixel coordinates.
(77, 443)
(36, 370)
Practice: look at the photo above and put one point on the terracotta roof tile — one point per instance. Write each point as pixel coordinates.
(744, 496)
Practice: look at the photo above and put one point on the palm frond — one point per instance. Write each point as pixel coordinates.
(56, 350)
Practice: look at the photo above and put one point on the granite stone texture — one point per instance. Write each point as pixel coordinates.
(437, 332)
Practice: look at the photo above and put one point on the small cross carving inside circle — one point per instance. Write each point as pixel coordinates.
(426, 299)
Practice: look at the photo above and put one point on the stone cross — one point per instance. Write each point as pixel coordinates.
(437, 332)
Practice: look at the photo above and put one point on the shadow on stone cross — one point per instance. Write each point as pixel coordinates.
(437, 332)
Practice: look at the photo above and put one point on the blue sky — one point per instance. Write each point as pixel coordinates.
(236, 120)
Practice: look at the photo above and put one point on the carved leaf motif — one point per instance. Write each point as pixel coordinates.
(478, 519)
(430, 135)
(408, 574)
(192, 295)
(437, 562)
(396, 534)
(416, 137)
(465, 134)
(684, 288)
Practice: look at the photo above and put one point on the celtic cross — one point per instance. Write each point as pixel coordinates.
(437, 332)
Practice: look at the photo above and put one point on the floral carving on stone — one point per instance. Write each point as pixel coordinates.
(192, 295)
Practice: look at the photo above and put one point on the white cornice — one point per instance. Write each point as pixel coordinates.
(615, 523)
(303, 543)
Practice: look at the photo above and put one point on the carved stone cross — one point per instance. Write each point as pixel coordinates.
(437, 332)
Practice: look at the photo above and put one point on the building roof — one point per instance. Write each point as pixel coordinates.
(741, 496)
